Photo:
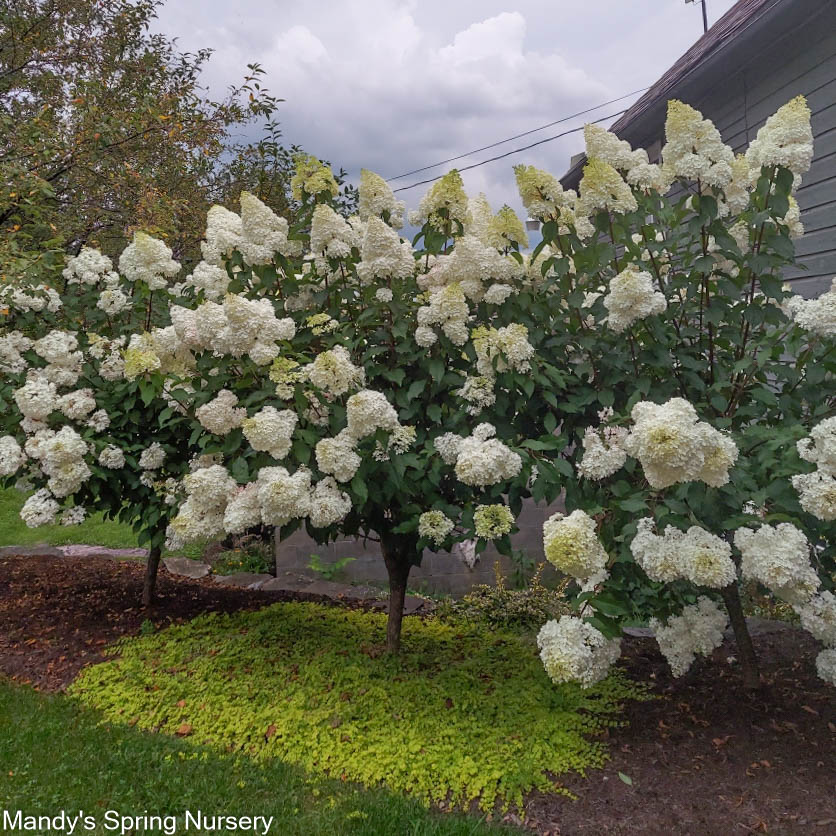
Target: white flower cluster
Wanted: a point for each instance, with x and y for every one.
(238, 326)
(376, 198)
(697, 629)
(37, 398)
(640, 172)
(443, 204)
(574, 651)
(435, 526)
(602, 187)
(209, 278)
(817, 490)
(818, 617)
(221, 415)
(34, 298)
(333, 372)
(112, 457)
(785, 139)
(572, 546)
(674, 446)
(695, 555)
(337, 457)
(632, 297)
(779, 558)
(113, 300)
(152, 457)
(77, 405)
(331, 236)
(818, 316)
(383, 254)
(270, 430)
(491, 522)
(201, 516)
(499, 349)
(603, 449)
(12, 346)
(448, 308)
(89, 267)
(39, 509)
(470, 265)
(478, 391)
(148, 260)
(694, 149)
(541, 193)
(258, 233)
(12, 458)
(64, 362)
(61, 456)
(484, 460)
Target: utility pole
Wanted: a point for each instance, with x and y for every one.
(704, 15)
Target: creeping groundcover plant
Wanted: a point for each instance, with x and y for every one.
(467, 714)
(644, 358)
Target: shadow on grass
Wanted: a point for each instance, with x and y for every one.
(55, 756)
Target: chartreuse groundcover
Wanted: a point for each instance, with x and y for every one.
(464, 713)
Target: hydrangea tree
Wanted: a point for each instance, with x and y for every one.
(326, 375)
(701, 393)
(334, 376)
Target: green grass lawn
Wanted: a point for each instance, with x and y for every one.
(95, 530)
(54, 755)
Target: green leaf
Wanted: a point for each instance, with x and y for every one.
(626, 779)
(436, 366)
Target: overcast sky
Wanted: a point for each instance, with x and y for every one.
(393, 85)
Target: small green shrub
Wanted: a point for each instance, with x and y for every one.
(240, 560)
(464, 713)
(496, 605)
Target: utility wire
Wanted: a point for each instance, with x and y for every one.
(518, 136)
(515, 151)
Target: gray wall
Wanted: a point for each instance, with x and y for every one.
(439, 573)
(797, 55)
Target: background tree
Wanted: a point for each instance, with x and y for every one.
(105, 129)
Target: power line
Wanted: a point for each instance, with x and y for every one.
(518, 136)
(515, 151)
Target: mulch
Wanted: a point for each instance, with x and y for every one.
(703, 758)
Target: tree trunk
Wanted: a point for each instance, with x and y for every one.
(748, 659)
(396, 556)
(150, 584)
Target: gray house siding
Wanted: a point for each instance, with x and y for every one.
(790, 53)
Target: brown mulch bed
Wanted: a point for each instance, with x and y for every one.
(705, 758)
(59, 614)
(708, 758)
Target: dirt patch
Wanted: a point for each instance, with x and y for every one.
(705, 758)
(59, 614)
(708, 758)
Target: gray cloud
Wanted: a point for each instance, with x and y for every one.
(394, 85)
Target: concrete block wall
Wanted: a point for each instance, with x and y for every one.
(439, 573)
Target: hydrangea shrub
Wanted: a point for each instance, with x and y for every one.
(701, 394)
(644, 358)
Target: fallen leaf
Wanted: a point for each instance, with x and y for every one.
(271, 730)
(810, 710)
(184, 731)
(626, 778)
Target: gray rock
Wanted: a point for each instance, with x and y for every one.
(101, 551)
(329, 589)
(30, 551)
(287, 582)
(639, 632)
(247, 580)
(186, 567)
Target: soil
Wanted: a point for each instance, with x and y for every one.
(703, 758)
(707, 757)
